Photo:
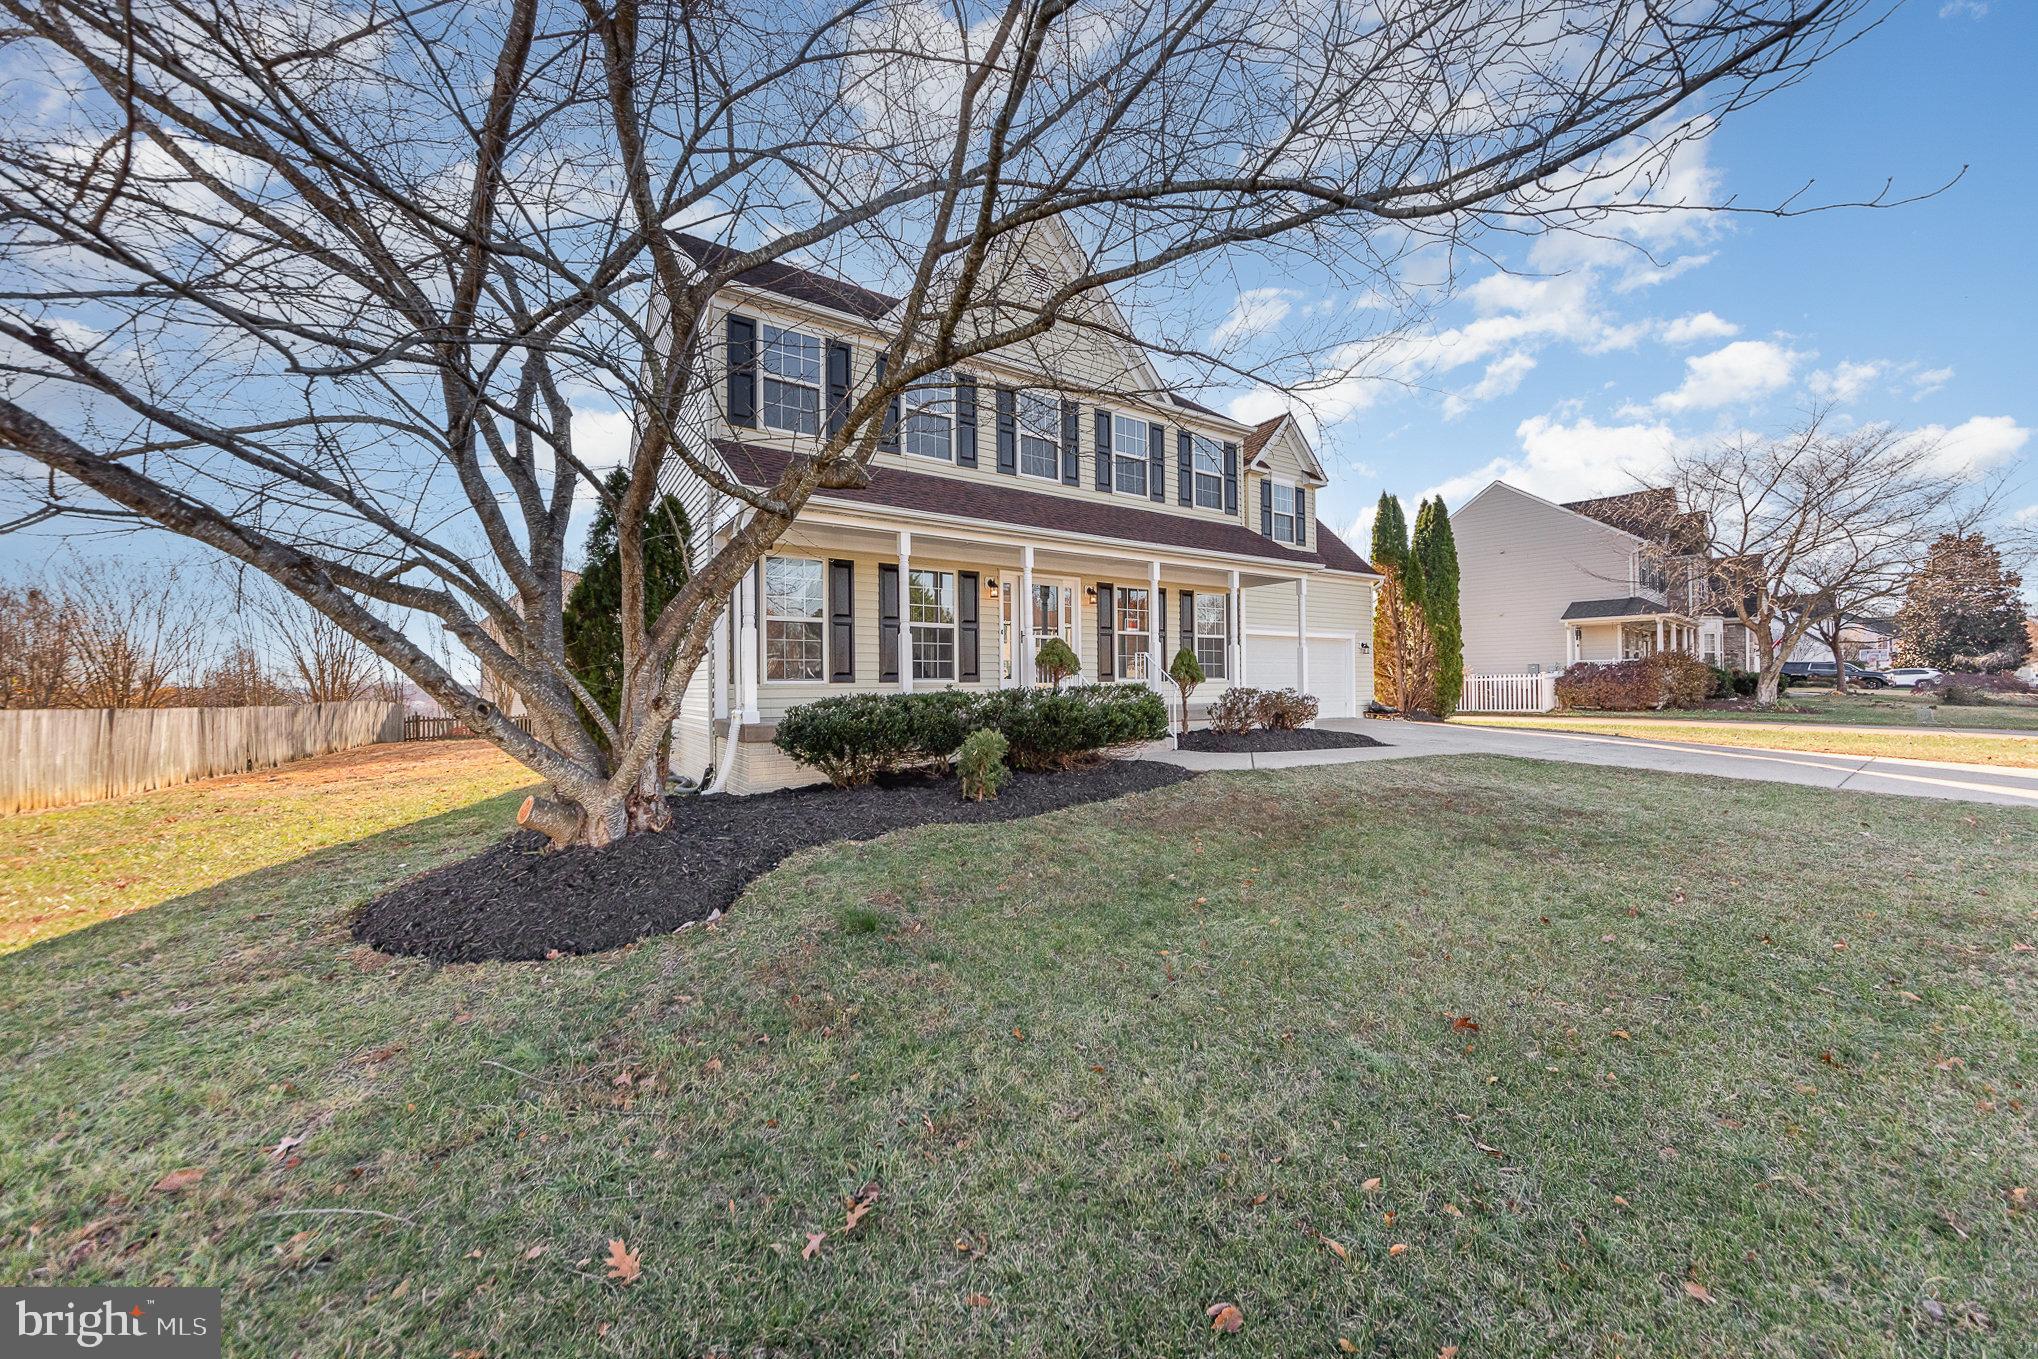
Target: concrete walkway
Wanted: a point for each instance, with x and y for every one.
(1855, 773)
(1670, 725)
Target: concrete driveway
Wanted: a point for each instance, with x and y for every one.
(1855, 773)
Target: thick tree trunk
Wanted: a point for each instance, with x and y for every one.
(1839, 665)
(1768, 685)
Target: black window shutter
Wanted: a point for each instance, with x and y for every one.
(1008, 430)
(1185, 467)
(966, 422)
(1160, 620)
(1189, 620)
(888, 432)
(1157, 464)
(887, 622)
(841, 622)
(1107, 651)
(1266, 509)
(838, 385)
(1071, 438)
(967, 584)
(742, 371)
(1231, 478)
(1302, 515)
(1103, 450)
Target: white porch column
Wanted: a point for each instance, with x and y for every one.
(718, 662)
(1659, 632)
(1302, 633)
(1022, 613)
(748, 654)
(905, 611)
(1237, 639)
(1572, 645)
(1156, 665)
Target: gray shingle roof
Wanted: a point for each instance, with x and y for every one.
(1626, 607)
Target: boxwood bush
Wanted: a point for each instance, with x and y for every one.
(854, 738)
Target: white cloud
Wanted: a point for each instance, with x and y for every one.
(1845, 383)
(602, 438)
(1929, 381)
(1976, 445)
(1736, 373)
(1699, 326)
(1964, 9)
(1503, 376)
(1256, 311)
(1561, 461)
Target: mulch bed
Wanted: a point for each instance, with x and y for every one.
(1258, 742)
(513, 902)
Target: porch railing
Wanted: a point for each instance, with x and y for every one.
(1509, 693)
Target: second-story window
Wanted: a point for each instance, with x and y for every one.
(1209, 456)
(930, 417)
(1039, 435)
(1128, 454)
(1649, 571)
(791, 363)
(1284, 512)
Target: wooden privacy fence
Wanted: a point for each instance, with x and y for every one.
(448, 728)
(1509, 693)
(53, 757)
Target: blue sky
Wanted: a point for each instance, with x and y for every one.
(1919, 315)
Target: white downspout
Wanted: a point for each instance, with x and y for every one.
(1022, 618)
(905, 611)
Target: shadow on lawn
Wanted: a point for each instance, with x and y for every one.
(304, 903)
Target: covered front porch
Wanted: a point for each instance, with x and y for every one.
(1601, 630)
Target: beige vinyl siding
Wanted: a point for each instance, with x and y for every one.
(1338, 604)
(1522, 562)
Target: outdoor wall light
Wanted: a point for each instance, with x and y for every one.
(1090, 593)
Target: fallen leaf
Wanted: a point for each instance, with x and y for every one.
(1345, 1343)
(1337, 1248)
(177, 1181)
(622, 1262)
(534, 1252)
(1017, 1034)
(1398, 1248)
(1622, 1033)
(1225, 1317)
(1697, 1290)
(1465, 1022)
(1454, 1210)
(1448, 1352)
(865, 1200)
(814, 1240)
(979, 1300)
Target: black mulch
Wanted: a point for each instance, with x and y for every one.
(1251, 742)
(513, 902)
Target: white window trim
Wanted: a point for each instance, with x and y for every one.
(765, 618)
(1020, 434)
(1197, 475)
(764, 375)
(1273, 499)
(1221, 636)
(912, 402)
(1120, 458)
(953, 626)
(1119, 632)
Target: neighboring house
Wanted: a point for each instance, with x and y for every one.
(1867, 642)
(1064, 491)
(1543, 585)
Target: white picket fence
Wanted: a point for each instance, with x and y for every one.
(1509, 693)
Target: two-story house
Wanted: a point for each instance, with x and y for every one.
(1061, 492)
(1544, 586)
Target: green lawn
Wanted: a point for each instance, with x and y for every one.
(2017, 752)
(1761, 1089)
(1860, 707)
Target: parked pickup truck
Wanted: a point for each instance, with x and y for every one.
(1821, 672)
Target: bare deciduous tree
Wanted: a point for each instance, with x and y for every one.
(320, 288)
(1819, 522)
(141, 634)
(37, 632)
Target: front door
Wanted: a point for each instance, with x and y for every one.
(1054, 615)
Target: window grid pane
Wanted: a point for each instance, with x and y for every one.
(930, 614)
(1039, 435)
(1133, 620)
(1128, 454)
(794, 645)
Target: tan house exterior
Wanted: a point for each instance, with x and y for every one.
(1065, 491)
(1545, 586)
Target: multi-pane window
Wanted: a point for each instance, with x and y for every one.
(1134, 625)
(1210, 634)
(1209, 464)
(1649, 571)
(791, 364)
(930, 620)
(930, 417)
(1128, 454)
(1039, 435)
(1284, 511)
(794, 626)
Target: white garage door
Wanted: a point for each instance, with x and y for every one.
(1270, 664)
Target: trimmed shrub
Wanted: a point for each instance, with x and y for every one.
(1741, 683)
(1960, 695)
(1187, 672)
(2001, 682)
(1055, 661)
(1044, 729)
(1617, 686)
(1687, 681)
(981, 764)
(1236, 711)
(854, 738)
(1285, 709)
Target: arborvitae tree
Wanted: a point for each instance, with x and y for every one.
(1390, 554)
(1436, 551)
(1963, 611)
(1187, 672)
(594, 610)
